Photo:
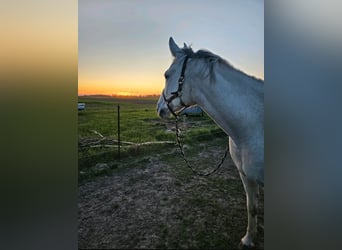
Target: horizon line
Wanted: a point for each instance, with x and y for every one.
(121, 95)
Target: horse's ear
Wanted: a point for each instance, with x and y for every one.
(174, 47)
(185, 46)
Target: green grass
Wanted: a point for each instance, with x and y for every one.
(138, 123)
(136, 117)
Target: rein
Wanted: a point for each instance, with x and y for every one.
(180, 146)
(178, 94)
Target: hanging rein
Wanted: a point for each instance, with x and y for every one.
(178, 94)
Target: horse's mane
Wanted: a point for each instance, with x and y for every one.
(211, 60)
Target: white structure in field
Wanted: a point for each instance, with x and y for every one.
(193, 110)
(81, 106)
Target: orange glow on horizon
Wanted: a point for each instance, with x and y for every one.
(122, 86)
(106, 89)
(123, 83)
(114, 93)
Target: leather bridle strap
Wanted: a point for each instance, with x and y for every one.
(177, 93)
(168, 101)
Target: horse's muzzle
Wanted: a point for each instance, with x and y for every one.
(162, 109)
(163, 113)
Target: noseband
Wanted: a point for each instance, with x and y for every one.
(177, 93)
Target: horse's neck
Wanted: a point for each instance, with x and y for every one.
(234, 102)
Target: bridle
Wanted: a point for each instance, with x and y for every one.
(178, 93)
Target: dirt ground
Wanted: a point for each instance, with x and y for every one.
(156, 202)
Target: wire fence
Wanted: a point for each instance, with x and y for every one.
(205, 129)
(134, 134)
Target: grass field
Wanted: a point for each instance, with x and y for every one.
(138, 123)
(101, 115)
(149, 198)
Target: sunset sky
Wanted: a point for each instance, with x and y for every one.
(123, 44)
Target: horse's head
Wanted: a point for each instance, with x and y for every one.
(174, 96)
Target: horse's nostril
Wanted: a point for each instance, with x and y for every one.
(161, 112)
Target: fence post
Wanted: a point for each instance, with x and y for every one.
(119, 131)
